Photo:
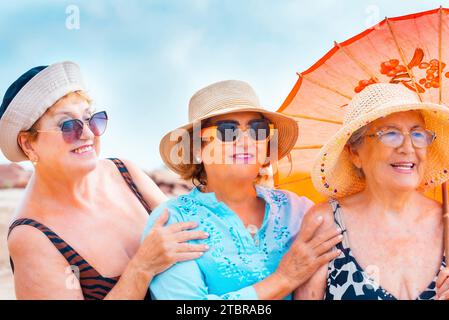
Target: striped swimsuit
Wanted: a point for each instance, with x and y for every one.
(93, 285)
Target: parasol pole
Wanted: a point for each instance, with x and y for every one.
(444, 185)
(446, 221)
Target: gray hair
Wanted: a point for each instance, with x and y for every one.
(354, 142)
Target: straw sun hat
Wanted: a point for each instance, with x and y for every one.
(27, 99)
(333, 173)
(223, 98)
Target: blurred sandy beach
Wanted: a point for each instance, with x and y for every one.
(9, 199)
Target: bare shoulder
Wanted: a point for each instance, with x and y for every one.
(24, 242)
(430, 205)
(147, 187)
(323, 209)
(40, 270)
(139, 176)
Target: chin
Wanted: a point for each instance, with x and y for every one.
(245, 172)
(406, 184)
(83, 165)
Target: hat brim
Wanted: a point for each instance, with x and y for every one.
(287, 129)
(333, 173)
(31, 102)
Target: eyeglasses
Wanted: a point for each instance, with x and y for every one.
(229, 131)
(394, 138)
(73, 129)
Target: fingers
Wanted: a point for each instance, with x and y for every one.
(325, 236)
(443, 290)
(188, 256)
(310, 226)
(190, 247)
(328, 257)
(442, 276)
(327, 245)
(181, 226)
(184, 236)
(162, 219)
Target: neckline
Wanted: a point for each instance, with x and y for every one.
(381, 288)
(365, 275)
(210, 199)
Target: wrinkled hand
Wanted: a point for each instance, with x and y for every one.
(166, 245)
(443, 284)
(309, 252)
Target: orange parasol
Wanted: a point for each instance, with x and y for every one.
(411, 49)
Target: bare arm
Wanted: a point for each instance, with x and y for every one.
(315, 287)
(41, 272)
(309, 253)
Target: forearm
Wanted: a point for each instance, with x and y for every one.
(132, 285)
(314, 288)
(274, 287)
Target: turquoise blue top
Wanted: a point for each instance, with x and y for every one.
(235, 261)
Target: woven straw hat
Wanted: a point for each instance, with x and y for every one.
(223, 98)
(333, 173)
(39, 88)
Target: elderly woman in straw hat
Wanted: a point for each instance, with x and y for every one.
(77, 232)
(229, 139)
(391, 148)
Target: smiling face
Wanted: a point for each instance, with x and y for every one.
(50, 148)
(240, 159)
(400, 168)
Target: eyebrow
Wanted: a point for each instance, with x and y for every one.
(393, 127)
(68, 113)
(235, 121)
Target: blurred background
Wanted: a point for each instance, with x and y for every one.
(143, 60)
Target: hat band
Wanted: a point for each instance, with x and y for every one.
(220, 105)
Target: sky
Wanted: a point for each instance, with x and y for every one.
(142, 60)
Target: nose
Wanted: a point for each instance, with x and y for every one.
(87, 133)
(407, 146)
(243, 138)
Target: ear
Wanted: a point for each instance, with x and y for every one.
(24, 141)
(354, 156)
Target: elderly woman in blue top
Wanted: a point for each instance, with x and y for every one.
(251, 227)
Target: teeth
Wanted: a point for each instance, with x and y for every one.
(403, 166)
(83, 149)
(243, 156)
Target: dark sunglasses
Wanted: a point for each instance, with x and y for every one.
(72, 130)
(229, 130)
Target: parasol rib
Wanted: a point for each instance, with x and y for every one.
(404, 61)
(313, 118)
(295, 181)
(308, 147)
(324, 86)
(357, 62)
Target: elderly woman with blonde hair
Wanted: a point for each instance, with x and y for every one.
(76, 234)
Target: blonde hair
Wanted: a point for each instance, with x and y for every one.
(32, 132)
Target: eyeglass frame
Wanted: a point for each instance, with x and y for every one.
(379, 133)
